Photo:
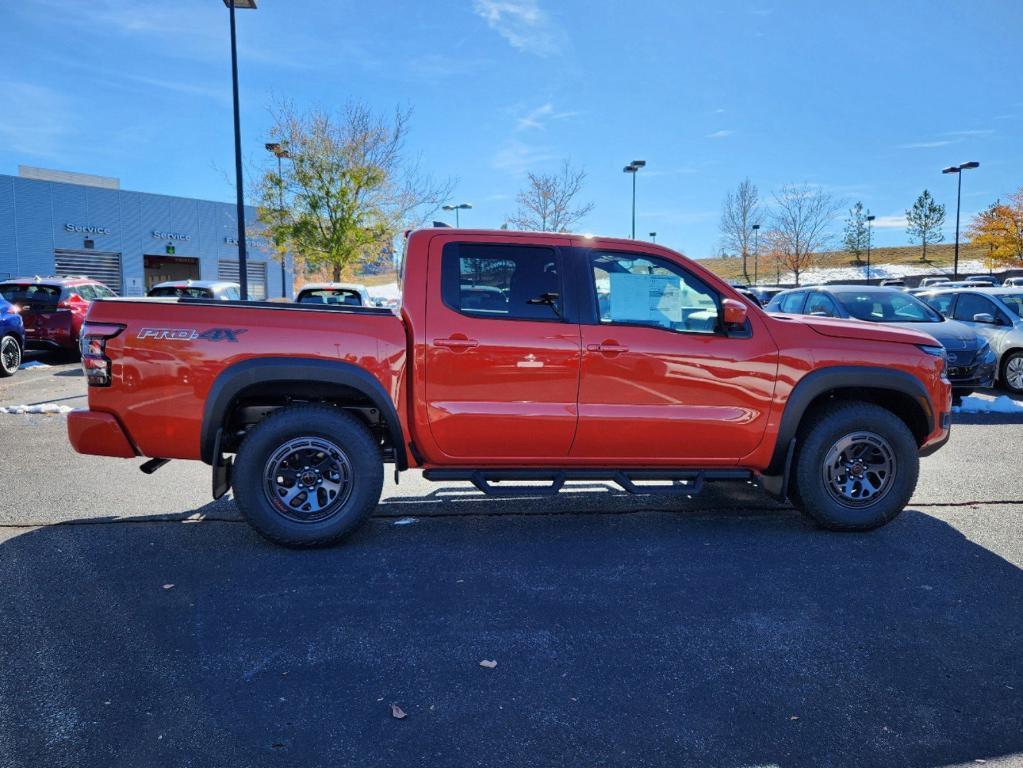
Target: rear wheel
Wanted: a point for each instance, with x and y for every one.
(308, 475)
(856, 467)
(10, 356)
(1012, 373)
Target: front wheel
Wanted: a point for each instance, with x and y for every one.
(856, 467)
(1012, 373)
(10, 356)
(308, 475)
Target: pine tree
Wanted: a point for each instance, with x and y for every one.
(855, 237)
(926, 218)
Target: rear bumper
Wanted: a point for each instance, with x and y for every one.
(100, 434)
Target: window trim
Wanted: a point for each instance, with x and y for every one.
(453, 248)
(593, 302)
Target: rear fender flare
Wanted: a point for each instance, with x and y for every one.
(233, 380)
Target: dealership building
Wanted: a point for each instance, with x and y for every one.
(61, 223)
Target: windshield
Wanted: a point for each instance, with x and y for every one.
(189, 292)
(885, 307)
(1013, 301)
(330, 296)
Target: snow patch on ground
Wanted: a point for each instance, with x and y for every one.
(406, 521)
(833, 274)
(33, 364)
(47, 408)
(982, 404)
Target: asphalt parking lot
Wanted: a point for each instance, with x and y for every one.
(142, 624)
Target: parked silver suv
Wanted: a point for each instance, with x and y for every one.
(996, 314)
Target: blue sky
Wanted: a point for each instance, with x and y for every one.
(869, 100)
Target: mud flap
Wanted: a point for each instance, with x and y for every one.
(777, 486)
(221, 469)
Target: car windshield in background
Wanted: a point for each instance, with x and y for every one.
(1013, 301)
(331, 296)
(189, 292)
(30, 292)
(885, 307)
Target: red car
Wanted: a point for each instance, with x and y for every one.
(53, 308)
(591, 359)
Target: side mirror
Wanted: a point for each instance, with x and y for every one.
(733, 313)
(984, 317)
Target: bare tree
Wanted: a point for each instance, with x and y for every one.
(740, 211)
(799, 225)
(347, 188)
(545, 205)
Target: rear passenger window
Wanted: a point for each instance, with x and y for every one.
(791, 304)
(821, 305)
(508, 282)
(85, 291)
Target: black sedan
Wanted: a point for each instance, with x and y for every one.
(971, 361)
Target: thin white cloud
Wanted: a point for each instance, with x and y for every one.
(523, 24)
(720, 134)
(517, 157)
(537, 118)
(34, 120)
(975, 132)
(927, 144)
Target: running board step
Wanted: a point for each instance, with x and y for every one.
(683, 481)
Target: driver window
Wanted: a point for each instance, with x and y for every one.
(971, 304)
(639, 290)
(820, 304)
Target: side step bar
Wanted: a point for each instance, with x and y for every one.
(683, 481)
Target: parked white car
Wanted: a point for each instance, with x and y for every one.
(996, 314)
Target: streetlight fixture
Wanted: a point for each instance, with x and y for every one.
(869, 232)
(280, 152)
(632, 168)
(653, 237)
(456, 209)
(958, 171)
(756, 254)
(243, 274)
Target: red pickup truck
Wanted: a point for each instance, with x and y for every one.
(516, 361)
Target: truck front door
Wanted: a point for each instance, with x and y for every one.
(501, 359)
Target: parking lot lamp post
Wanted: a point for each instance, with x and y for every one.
(958, 171)
(456, 209)
(869, 219)
(756, 254)
(632, 168)
(243, 277)
(653, 237)
(280, 152)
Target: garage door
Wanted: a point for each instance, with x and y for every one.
(105, 267)
(228, 270)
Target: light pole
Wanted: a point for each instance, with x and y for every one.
(869, 219)
(632, 168)
(653, 237)
(456, 209)
(280, 152)
(958, 171)
(756, 254)
(243, 275)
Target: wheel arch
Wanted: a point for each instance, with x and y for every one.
(1003, 360)
(897, 391)
(336, 382)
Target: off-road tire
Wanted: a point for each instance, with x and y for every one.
(10, 355)
(253, 481)
(881, 434)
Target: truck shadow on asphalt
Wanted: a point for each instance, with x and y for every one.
(656, 638)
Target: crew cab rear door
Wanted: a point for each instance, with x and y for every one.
(662, 382)
(502, 351)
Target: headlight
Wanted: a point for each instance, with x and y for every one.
(937, 352)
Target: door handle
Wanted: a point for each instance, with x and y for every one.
(607, 348)
(456, 343)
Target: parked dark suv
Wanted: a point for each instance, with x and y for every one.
(53, 308)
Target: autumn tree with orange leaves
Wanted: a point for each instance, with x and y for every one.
(999, 229)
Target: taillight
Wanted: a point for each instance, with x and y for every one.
(93, 343)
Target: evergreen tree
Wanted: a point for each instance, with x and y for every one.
(926, 218)
(855, 237)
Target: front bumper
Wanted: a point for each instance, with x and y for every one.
(978, 376)
(99, 434)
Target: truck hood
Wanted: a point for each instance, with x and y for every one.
(860, 329)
